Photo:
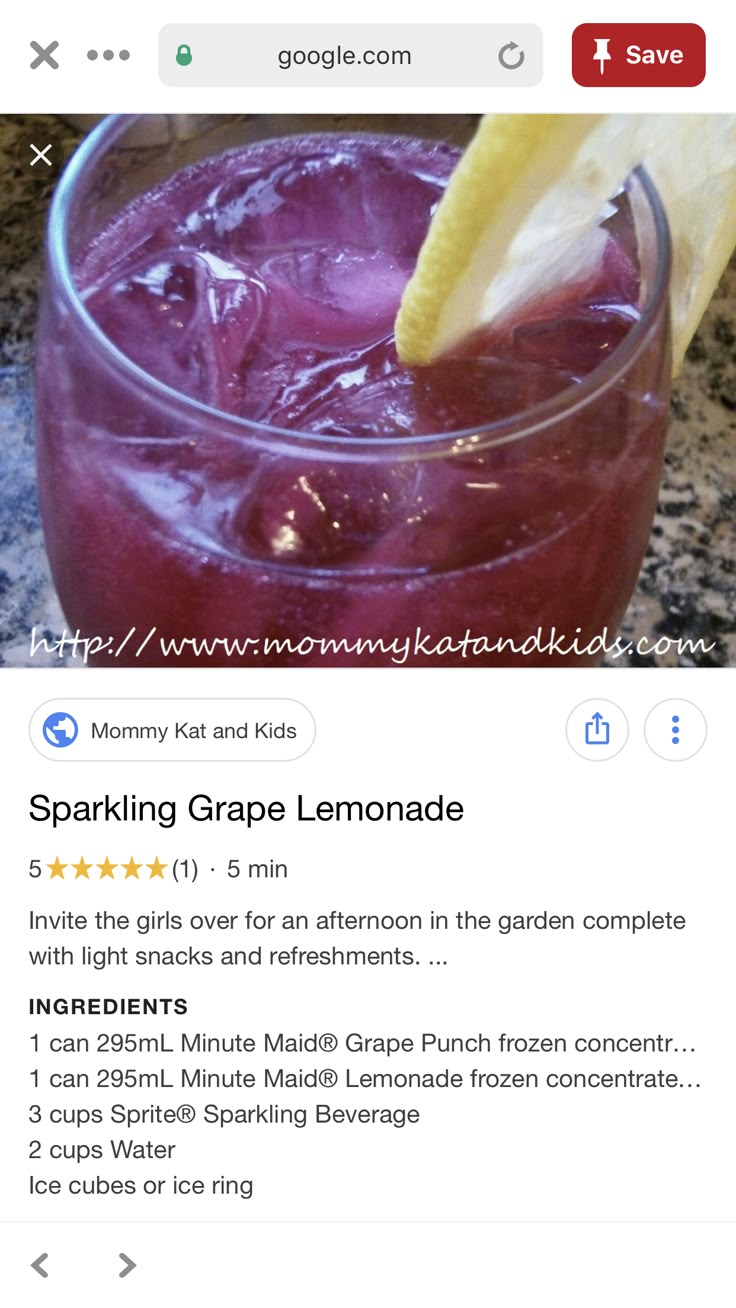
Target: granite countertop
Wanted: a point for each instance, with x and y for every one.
(687, 586)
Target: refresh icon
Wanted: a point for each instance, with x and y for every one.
(508, 59)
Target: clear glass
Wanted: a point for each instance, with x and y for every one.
(515, 531)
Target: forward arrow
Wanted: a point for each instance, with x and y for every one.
(129, 1265)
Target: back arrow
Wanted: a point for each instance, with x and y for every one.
(37, 1265)
(129, 1265)
(504, 62)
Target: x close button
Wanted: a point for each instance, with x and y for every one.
(40, 155)
(44, 54)
(638, 54)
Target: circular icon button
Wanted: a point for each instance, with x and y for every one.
(597, 730)
(40, 155)
(675, 730)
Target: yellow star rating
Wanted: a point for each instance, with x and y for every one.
(131, 869)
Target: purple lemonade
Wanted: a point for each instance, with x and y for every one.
(252, 463)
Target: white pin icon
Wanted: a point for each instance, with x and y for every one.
(601, 51)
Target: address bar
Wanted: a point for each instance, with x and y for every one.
(350, 54)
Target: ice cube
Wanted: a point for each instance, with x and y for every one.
(329, 191)
(578, 340)
(332, 297)
(187, 318)
(323, 513)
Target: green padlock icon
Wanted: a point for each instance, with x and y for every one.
(184, 55)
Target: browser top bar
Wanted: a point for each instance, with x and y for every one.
(54, 65)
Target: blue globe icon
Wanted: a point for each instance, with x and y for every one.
(60, 730)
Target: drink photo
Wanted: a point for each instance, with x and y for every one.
(339, 391)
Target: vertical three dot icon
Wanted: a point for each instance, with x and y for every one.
(675, 729)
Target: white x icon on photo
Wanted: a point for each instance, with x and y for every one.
(41, 154)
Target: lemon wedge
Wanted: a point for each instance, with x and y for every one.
(521, 211)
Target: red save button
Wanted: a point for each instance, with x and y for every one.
(638, 54)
